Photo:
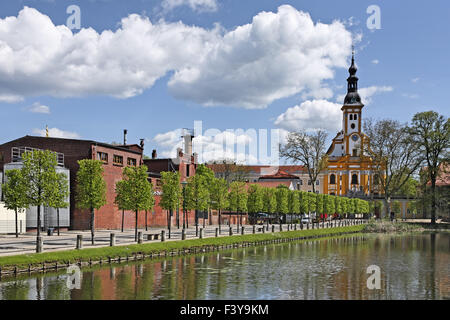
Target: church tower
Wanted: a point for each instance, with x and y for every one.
(349, 167)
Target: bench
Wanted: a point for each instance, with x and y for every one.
(153, 236)
(260, 229)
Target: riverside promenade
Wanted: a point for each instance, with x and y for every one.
(67, 240)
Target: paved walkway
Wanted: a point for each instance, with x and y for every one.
(26, 243)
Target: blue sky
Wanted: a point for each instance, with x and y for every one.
(206, 65)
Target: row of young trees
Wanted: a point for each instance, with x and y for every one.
(203, 192)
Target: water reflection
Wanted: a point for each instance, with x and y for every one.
(412, 267)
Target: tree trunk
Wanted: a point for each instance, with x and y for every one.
(136, 226)
(169, 223)
(92, 225)
(220, 214)
(57, 219)
(38, 221)
(433, 200)
(146, 220)
(123, 218)
(17, 226)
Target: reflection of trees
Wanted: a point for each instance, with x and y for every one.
(56, 288)
(15, 290)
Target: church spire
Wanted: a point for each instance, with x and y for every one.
(352, 97)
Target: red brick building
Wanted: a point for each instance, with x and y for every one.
(114, 157)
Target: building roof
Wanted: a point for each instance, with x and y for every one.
(280, 174)
(128, 148)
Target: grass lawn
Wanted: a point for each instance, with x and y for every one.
(155, 247)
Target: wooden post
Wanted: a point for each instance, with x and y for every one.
(201, 233)
(217, 232)
(79, 241)
(242, 230)
(140, 237)
(163, 235)
(231, 231)
(112, 239)
(254, 229)
(183, 234)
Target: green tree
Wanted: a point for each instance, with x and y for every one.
(60, 196)
(196, 196)
(40, 177)
(304, 202)
(270, 200)
(396, 207)
(90, 189)
(237, 197)
(319, 204)
(134, 192)
(219, 197)
(430, 133)
(339, 205)
(209, 177)
(294, 203)
(171, 194)
(255, 202)
(15, 193)
(312, 202)
(282, 195)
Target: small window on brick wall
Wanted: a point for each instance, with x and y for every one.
(102, 156)
(118, 160)
(131, 162)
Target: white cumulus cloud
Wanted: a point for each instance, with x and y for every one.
(39, 108)
(57, 133)
(39, 58)
(277, 55)
(311, 115)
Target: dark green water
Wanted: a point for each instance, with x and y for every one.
(413, 266)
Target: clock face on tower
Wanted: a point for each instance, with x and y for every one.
(355, 137)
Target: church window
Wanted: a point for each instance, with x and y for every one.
(354, 179)
(352, 126)
(332, 179)
(351, 117)
(355, 117)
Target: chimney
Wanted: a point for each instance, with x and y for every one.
(142, 143)
(125, 137)
(188, 136)
(154, 154)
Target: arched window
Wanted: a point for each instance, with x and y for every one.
(351, 117)
(332, 179)
(354, 179)
(355, 117)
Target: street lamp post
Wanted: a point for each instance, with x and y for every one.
(184, 183)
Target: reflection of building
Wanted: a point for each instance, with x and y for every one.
(349, 169)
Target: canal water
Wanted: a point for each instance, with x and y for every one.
(412, 266)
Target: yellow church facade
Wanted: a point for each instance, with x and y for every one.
(350, 170)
